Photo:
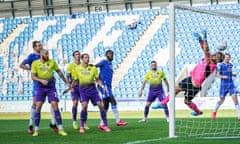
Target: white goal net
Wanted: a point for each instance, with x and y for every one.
(219, 22)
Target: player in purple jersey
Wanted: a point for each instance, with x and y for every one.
(43, 72)
(224, 72)
(26, 65)
(106, 74)
(155, 78)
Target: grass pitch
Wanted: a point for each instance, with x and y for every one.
(13, 130)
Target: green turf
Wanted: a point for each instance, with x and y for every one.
(13, 130)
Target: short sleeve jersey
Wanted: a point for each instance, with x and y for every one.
(44, 70)
(31, 58)
(225, 69)
(85, 75)
(106, 71)
(155, 79)
(71, 68)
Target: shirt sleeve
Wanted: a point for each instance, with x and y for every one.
(95, 72)
(146, 77)
(163, 76)
(100, 64)
(28, 60)
(69, 69)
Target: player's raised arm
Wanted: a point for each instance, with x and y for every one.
(206, 52)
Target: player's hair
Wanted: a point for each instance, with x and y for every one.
(42, 51)
(222, 56)
(108, 51)
(153, 61)
(34, 43)
(84, 55)
(75, 52)
(227, 54)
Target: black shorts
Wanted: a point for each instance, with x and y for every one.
(108, 100)
(187, 86)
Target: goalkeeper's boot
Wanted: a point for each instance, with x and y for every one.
(197, 36)
(214, 114)
(30, 129)
(54, 127)
(196, 114)
(158, 106)
(62, 133)
(36, 133)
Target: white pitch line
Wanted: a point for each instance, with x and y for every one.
(149, 140)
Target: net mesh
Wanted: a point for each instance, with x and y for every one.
(220, 23)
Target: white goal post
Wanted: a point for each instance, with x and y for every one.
(172, 8)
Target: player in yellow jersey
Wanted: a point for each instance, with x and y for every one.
(42, 72)
(87, 75)
(75, 95)
(155, 77)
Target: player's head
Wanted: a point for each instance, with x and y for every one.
(217, 57)
(227, 57)
(37, 46)
(109, 55)
(76, 55)
(44, 54)
(154, 65)
(85, 58)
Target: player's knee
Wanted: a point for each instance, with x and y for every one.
(187, 102)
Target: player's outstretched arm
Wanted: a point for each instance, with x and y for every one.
(206, 51)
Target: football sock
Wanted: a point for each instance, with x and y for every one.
(53, 120)
(74, 113)
(58, 117)
(83, 118)
(237, 108)
(146, 111)
(32, 113)
(104, 117)
(115, 112)
(37, 118)
(194, 107)
(218, 104)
